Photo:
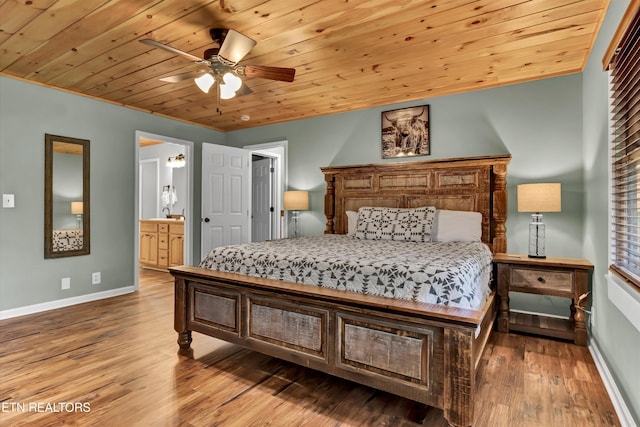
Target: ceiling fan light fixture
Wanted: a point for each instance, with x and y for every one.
(226, 91)
(205, 82)
(231, 80)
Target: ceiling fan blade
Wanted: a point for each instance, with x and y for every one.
(271, 73)
(182, 77)
(235, 46)
(168, 48)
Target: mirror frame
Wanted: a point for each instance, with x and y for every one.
(48, 197)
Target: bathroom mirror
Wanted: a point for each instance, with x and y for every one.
(66, 197)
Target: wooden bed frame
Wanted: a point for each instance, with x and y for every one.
(424, 352)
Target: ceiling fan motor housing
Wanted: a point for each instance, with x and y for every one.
(218, 35)
(211, 53)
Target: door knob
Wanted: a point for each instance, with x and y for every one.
(207, 220)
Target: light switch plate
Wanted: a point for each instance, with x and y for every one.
(8, 201)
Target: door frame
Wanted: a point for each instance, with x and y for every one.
(188, 214)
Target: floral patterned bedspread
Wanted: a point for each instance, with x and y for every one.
(455, 274)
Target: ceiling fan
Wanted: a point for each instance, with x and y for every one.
(220, 64)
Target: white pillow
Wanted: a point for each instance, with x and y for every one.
(400, 224)
(352, 222)
(457, 226)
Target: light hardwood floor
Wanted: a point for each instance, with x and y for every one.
(118, 358)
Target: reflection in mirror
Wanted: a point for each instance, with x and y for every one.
(66, 197)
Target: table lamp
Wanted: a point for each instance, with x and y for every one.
(77, 209)
(296, 201)
(536, 198)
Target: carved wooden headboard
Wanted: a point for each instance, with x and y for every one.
(465, 184)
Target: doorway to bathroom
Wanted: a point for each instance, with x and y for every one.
(164, 208)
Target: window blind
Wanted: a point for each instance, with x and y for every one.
(625, 154)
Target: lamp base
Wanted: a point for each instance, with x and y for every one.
(536, 237)
(295, 224)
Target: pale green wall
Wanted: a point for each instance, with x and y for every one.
(617, 339)
(27, 112)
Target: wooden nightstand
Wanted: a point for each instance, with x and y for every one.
(562, 277)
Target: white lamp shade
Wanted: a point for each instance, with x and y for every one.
(232, 80)
(205, 82)
(542, 197)
(296, 200)
(77, 208)
(226, 92)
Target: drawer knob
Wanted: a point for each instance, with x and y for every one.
(540, 279)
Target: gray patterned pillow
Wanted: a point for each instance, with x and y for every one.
(410, 225)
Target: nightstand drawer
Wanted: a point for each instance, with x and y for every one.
(558, 281)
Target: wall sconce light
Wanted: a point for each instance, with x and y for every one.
(296, 201)
(77, 209)
(176, 162)
(536, 198)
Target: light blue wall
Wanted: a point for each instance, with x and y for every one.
(617, 339)
(29, 111)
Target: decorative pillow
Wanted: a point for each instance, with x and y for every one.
(352, 222)
(410, 225)
(457, 226)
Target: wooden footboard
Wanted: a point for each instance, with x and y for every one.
(424, 352)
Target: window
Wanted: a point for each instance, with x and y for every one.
(623, 59)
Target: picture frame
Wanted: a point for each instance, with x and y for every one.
(406, 132)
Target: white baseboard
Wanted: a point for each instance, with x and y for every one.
(626, 420)
(52, 305)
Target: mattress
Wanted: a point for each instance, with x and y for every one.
(455, 274)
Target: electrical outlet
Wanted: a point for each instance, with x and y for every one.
(95, 278)
(8, 201)
(66, 283)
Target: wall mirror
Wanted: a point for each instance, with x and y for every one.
(66, 197)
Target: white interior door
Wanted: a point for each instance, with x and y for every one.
(226, 196)
(262, 207)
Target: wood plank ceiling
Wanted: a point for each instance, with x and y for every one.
(348, 54)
